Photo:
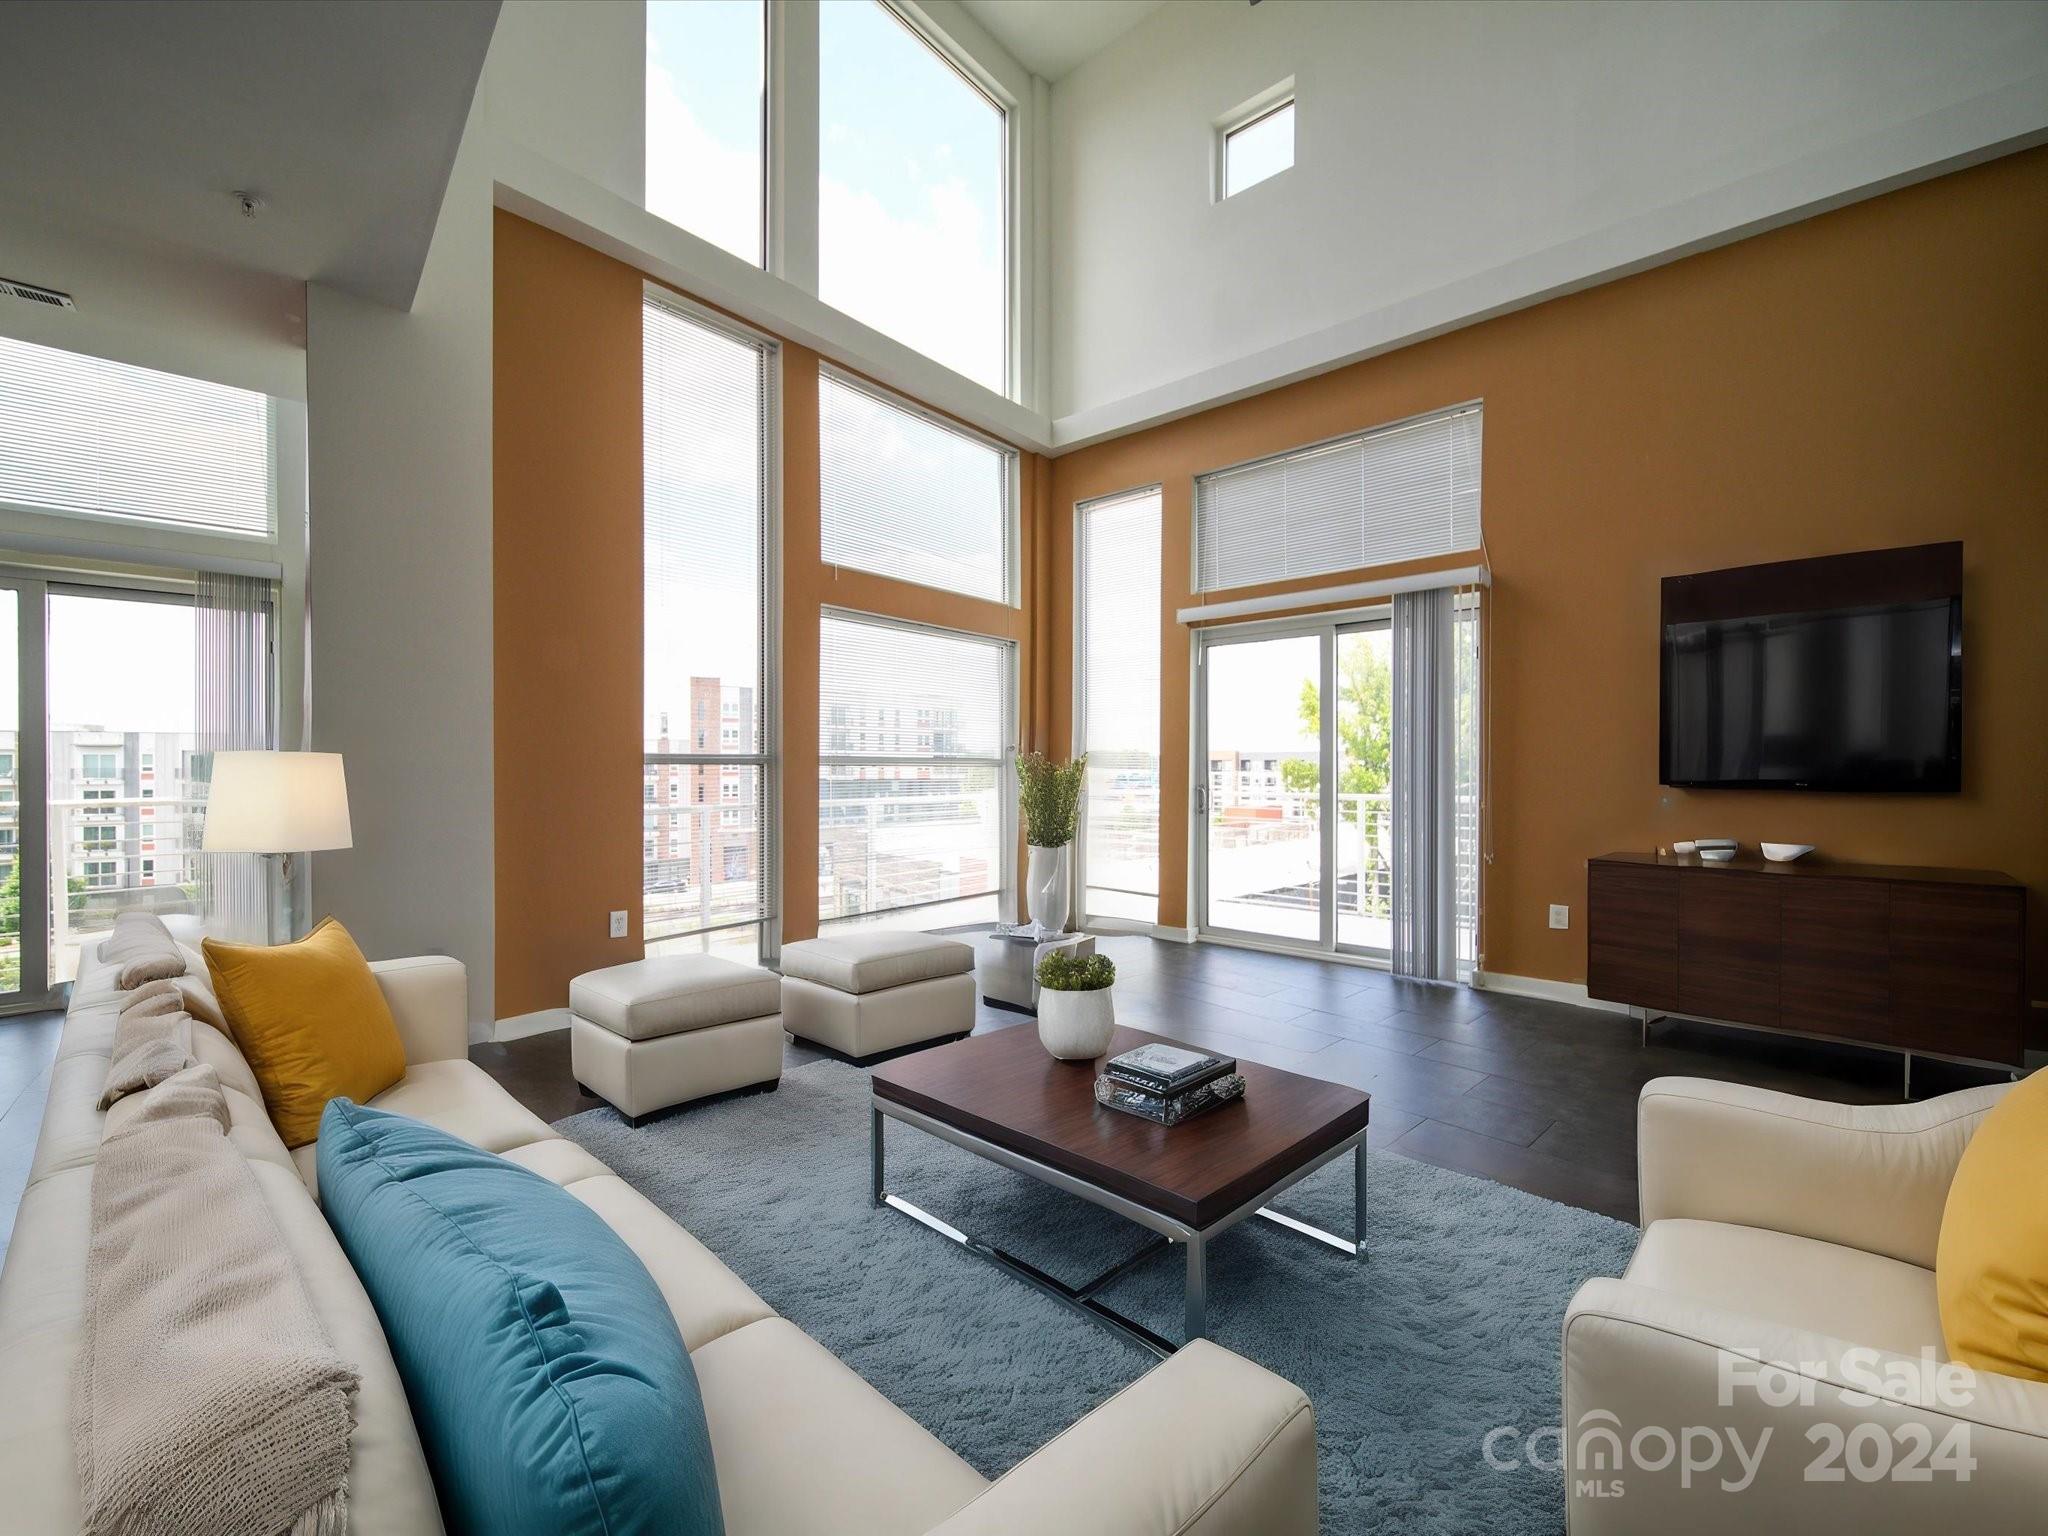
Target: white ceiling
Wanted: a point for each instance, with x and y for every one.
(140, 120)
(1050, 37)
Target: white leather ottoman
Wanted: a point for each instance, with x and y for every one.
(877, 990)
(659, 1032)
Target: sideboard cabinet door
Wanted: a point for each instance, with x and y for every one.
(1728, 931)
(1835, 971)
(1632, 935)
(1956, 968)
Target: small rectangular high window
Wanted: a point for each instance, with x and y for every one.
(1259, 147)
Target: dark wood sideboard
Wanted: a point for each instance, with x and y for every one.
(1926, 961)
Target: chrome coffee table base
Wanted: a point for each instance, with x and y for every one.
(1084, 1298)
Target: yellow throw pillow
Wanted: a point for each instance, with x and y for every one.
(1991, 1263)
(312, 1021)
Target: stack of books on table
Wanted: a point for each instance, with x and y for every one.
(1167, 1083)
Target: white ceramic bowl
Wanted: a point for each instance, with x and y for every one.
(1717, 855)
(1784, 853)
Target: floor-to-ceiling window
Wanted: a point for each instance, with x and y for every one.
(1117, 709)
(915, 728)
(709, 407)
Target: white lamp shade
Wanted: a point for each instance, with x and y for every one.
(276, 802)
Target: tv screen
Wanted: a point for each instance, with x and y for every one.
(1843, 673)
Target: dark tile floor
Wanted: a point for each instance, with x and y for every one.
(1538, 1095)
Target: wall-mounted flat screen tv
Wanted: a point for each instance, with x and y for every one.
(1842, 673)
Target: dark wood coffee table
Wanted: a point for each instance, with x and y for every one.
(1002, 1097)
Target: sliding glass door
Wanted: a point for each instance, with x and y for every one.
(24, 979)
(1263, 839)
(1295, 732)
(123, 735)
(1364, 883)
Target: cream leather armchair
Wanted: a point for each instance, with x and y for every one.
(1773, 1358)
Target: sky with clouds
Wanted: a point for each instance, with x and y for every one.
(910, 159)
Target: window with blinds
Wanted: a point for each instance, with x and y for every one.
(1118, 711)
(1401, 492)
(904, 494)
(708, 411)
(914, 728)
(87, 436)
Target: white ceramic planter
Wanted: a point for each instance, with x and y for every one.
(1076, 1026)
(1046, 886)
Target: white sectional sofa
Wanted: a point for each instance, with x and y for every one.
(1206, 1443)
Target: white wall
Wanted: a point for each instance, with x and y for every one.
(399, 451)
(1453, 159)
(155, 307)
(566, 79)
(398, 410)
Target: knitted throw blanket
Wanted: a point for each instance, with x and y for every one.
(207, 1396)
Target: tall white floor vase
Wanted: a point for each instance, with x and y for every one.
(1046, 887)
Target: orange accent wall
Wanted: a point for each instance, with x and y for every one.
(1875, 376)
(568, 645)
(565, 554)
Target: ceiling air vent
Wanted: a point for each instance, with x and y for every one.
(10, 289)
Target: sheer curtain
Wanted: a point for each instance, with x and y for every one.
(1435, 789)
(232, 697)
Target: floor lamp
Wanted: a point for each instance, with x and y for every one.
(278, 804)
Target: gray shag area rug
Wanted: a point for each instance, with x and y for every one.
(1450, 1328)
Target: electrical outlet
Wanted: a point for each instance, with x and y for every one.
(619, 925)
(1560, 916)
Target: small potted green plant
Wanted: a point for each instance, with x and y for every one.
(1049, 798)
(1075, 1014)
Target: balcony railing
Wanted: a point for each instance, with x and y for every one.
(885, 852)
(701, 868)
(110, 855)
(1265, 867)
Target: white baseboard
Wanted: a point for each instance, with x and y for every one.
(1541, 986)
(527, 1024)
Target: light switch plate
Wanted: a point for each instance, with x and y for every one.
(1560, 916)
(619, 925)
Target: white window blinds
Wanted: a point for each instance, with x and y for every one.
(1119, 678)
(902, 691)
(904, 494)
(83, 435)
(1403, 492)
